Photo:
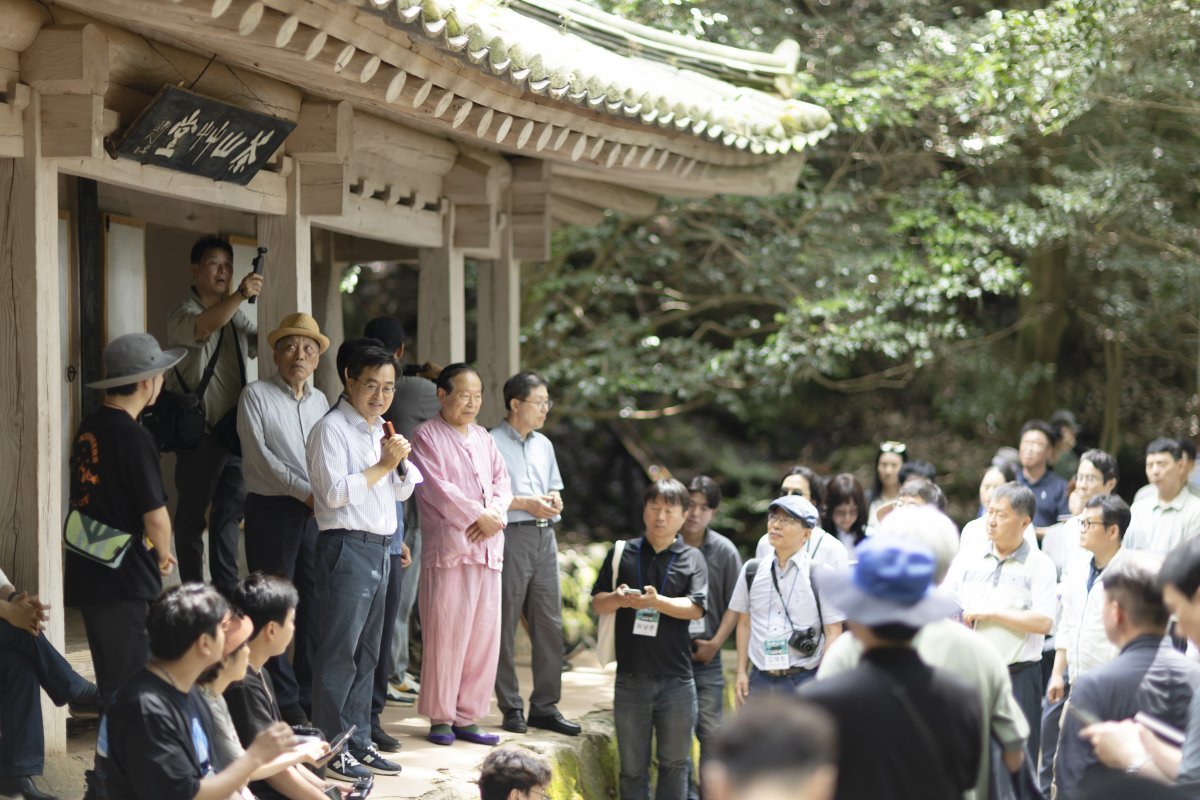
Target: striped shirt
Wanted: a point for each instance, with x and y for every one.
(341, 447)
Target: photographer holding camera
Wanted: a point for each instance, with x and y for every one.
(783, 629)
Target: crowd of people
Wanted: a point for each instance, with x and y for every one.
(878, 652)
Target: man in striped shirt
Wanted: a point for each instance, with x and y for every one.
(357, 473)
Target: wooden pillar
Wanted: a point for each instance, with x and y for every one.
(441, 320)
(31, 394)
(499, 321)
(287, 287)
(327, 309)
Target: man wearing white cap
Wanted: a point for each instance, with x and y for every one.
(116, 482)
(906, 731)
(275, 416)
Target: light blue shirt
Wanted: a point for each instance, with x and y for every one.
(340, 448)
(273, 427)
(532, 466)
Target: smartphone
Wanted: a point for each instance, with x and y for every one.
(1084, 716)
(388, 429)
(628, 591)
(338, 743)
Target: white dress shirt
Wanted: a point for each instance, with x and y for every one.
(1081, 630)
(341, 447)
(821, 548)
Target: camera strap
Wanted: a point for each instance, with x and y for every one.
(816, 597)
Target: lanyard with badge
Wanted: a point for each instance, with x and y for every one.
(645, 622)
(776, 647)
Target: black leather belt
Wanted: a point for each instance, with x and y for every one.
(530, 523)
(362, 536)
(1021, 666)
(785, 673)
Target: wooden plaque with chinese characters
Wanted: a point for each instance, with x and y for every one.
(187, 132)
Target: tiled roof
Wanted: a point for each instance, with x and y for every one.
(659, 79)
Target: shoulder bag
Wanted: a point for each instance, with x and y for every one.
(606, 625)
(94, 540)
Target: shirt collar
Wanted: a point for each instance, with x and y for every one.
(512, 433)
(278, 380)
(676, 546)
(1147, 641)
(1177, 501)
(351, 414)
(1020, 554)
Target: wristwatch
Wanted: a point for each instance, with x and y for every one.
(1136, 767)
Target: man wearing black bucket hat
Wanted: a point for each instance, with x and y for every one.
(906, 731)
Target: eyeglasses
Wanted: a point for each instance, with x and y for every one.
(545, 405)
(1086, 524)
(1087, 480)
(387, 390)
(893, 447)
(538, 794)
(781, 518)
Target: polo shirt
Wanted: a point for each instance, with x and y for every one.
(1159, 527)
(1025, 580)
(1050, 492)
(532, 466)
(226, 383)
(1081, 628)
(822, 550)
(1148, 675)
(765, 604)
(884, 752)
(724, 565)
(675, 571)
(974, 536)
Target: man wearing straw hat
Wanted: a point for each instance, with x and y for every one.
(116, 481)
(275, 416)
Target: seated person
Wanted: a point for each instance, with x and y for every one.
(232, 667)
(270, 603)
(27, 661)
(155, 739)
(513, 774)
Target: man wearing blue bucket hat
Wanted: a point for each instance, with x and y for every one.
(906, 731)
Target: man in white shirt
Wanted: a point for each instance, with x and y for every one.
(782, 630)
(357, 473)
(1008, 594)
(1163, 521)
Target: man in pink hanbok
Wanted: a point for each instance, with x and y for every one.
(464, 503)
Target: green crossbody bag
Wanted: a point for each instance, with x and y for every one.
(96, 541)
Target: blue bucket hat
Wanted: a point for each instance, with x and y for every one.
(892, 583)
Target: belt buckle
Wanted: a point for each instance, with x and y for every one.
(541, 523)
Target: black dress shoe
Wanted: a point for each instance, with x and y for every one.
(22, 787)
(383, 740)
(514, 721)
(556, 722)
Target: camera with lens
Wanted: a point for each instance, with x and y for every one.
(804, 642)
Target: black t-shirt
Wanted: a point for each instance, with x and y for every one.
(252, 707)
(115, 479)
(155, 740)
(676, 571)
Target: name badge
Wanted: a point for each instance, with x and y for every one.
(777, 653)
(696, 627)
(646, 622)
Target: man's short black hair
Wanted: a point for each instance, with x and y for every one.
(1165, 445)
(926, 490)
(388, 330)
(1135, 583)
(668, 490)
(1019, 496)
(1103, 462)
(1113, 511)
(1187, 446)
(346, 351)
(706, 486)
(124, 390)
(445, 378)
(207, 243)
(1181, 568)
(775, 737)
(511, 768)
(180, 616)
(265, 598)
(1041, 426)
(520, 385)
(917, 469)
(371, 357)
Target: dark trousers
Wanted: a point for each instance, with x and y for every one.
(118, 640)
(1051, 721)
(209, 476)
(27, 663)
(710, 704)
(662, 711)
(281, 539)
(530, 588)
(1027, 689)
(762, 682)
(391, 606)
(352, 573)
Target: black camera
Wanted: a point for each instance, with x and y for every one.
(804, 642)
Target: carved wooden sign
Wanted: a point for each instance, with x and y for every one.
(188, 132)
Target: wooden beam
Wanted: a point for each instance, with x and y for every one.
(12, 121)
(31, 400)
(324, 132)
(441, 322)
(498, 337)
(530, 209)
(356, 250)
(265, 194)
(67, 59)
(327, 310)
(606, 195)
(176, 212)
(574, 212)
(75, 125)
(19, 23)
(416, 151)
(374, 219)
(287, 281)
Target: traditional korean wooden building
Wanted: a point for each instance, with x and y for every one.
(422, 132)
